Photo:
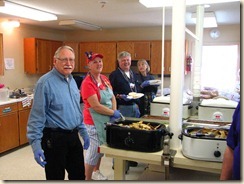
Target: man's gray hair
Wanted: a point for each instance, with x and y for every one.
(56, 55)
(123, 54)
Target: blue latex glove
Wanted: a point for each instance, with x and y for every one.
(145, 83)
(40, 158)
(124, 97)
(138, 114)
(112, 119)
(116, 114)
(86, 140)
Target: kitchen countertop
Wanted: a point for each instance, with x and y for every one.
(14, 100)
(120, 156)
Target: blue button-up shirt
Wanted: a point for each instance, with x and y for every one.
(56, 104)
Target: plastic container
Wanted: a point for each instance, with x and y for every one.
(4, 94)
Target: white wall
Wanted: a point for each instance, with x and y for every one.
(13, 48)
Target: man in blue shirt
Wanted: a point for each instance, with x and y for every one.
(231, 161)
(55, 120)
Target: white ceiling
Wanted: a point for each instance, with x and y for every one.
(118, 13)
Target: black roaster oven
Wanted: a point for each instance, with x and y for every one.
(120, 135)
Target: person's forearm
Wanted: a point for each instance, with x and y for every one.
(101, 109)
(226, 173)
(114, 103)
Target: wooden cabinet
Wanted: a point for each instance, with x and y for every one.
(126, 46)
(86, 47)
(75, 46)
(1, 55)
(156, 57)
(23, 120)
(137, 49)
(107, 49)
(38, 55)
(167, 57)
(13, 125)
(142, 50)
(9, 129)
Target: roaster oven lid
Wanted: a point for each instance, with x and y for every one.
(166, 99)
(219, 102)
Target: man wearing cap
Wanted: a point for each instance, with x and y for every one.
(99, 107)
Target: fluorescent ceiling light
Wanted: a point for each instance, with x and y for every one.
(208, 21)
(26, 12)
(169, 3)
(11, 23)
(79, 24)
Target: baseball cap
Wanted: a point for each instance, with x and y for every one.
(91, 56)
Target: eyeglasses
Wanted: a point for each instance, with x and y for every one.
(65, 60)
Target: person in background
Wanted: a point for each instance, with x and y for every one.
(142, 78)
(231, 160)
(55, 120)
(99, 107)
(123, 81)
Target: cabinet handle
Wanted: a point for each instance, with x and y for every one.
(169, 68)
(135, 55)
(7, 109)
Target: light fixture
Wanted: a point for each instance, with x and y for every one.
(11, 23)
(208, 21)
(26, 12)
(169, 3)
(79, 24)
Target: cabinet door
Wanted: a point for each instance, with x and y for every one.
(156, 57)
(108, 50)
(167, 57)
(9, 132)
(54, 46)
(30, 66)
(75, 46)
(126, 46)
(38, 55)
(142, 50)
(138, 50)
(1, 55)
(44, 53)
(23, 120)
(86, 47)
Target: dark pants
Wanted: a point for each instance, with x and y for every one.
(63, 151)
(145, 103)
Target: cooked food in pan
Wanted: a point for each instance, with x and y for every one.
(209, 132)
(140, 125)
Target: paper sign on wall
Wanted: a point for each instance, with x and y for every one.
(9, 63)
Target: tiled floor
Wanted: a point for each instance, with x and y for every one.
(20, 165)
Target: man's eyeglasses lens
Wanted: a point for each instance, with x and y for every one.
(65, 60)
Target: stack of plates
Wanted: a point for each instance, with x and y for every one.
(134, 95)
(154, 82)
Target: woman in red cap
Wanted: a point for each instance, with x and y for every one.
(99, 107)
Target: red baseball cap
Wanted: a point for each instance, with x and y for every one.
(92, 56)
